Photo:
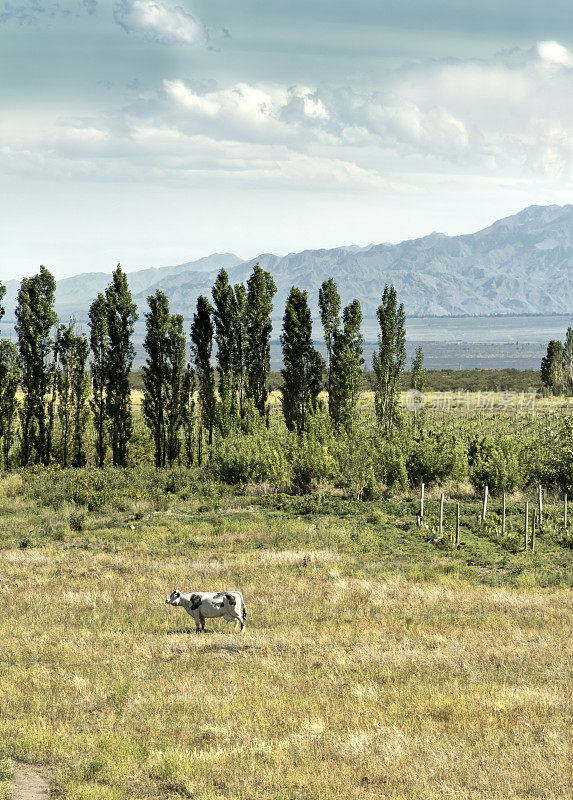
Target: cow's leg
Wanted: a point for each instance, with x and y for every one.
(237, 617)
(202, 618)
(198, 618)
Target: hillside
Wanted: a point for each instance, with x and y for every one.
(522, 264)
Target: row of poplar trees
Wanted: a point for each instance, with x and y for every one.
(182, 400)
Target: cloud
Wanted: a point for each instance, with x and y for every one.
(159, 22)
(555, 53)
(506, 118)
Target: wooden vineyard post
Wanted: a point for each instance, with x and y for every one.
(422, 500)
(484, 506)
(565, 512)
(526, 522)
(441, 514)
(458, 525)
(534, 522)
(540, 506)
(503, 515)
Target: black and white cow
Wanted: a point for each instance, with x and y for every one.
(207, 605)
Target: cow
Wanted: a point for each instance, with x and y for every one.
(207, 605)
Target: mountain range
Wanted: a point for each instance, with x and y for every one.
(522, 264)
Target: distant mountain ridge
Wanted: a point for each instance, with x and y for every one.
(522, 264)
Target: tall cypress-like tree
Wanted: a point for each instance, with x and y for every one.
(240, 348)
(329, 304)
(552, 376)
(201, 350)
(163, 378)
(418, 373)
(346, 367)
(156, 372)
(71, 350)
(303, 364)
(388, 361)
(9, 379)
(177, 390)
(189, 414)
(35, 318)
(224, 318)
(121, 314)
(261, 289)
(79, 398)
(568, 361)
(99, 346)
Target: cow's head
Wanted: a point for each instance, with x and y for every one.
(175, 599)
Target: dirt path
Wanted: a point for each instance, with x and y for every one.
(30, 783)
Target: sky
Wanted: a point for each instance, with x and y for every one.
(150, 133)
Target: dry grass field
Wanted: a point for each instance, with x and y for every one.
(372, 666)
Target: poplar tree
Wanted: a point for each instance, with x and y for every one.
(163, 377)
(189, 414)
(9, 379)
(79, 398)
(99, 346)
(224, 318)
(240, 348)
(418, 374)
(552, 375)
(303, 364)
(121, 314)
(156, 377)
(568, 361)
(177, 389)
(329, 304)
(261, 289)
(346, 367)
(388, 360)
(71, 350)
(201, 350)
(35, 318)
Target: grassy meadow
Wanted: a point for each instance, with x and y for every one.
(375, 663)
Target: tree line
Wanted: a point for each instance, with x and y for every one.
(67, 378)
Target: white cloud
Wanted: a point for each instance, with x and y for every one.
(159, 22)
(507, 118)
(554, 53)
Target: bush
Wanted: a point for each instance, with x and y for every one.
(497, 464)
(435, 456)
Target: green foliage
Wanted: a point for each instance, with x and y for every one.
(435, 456)
(164, 399)
(550, 458)
(329, 304)
(99, 346)
(552, 376)
(303, 365)
(9, 378)
(201, 349)
(496, 463)
(121, 314)
(388, 360)
(346, 368)
(35, 317)
(259, 456)
(71, 352)
(258, 307)
(418, 373)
